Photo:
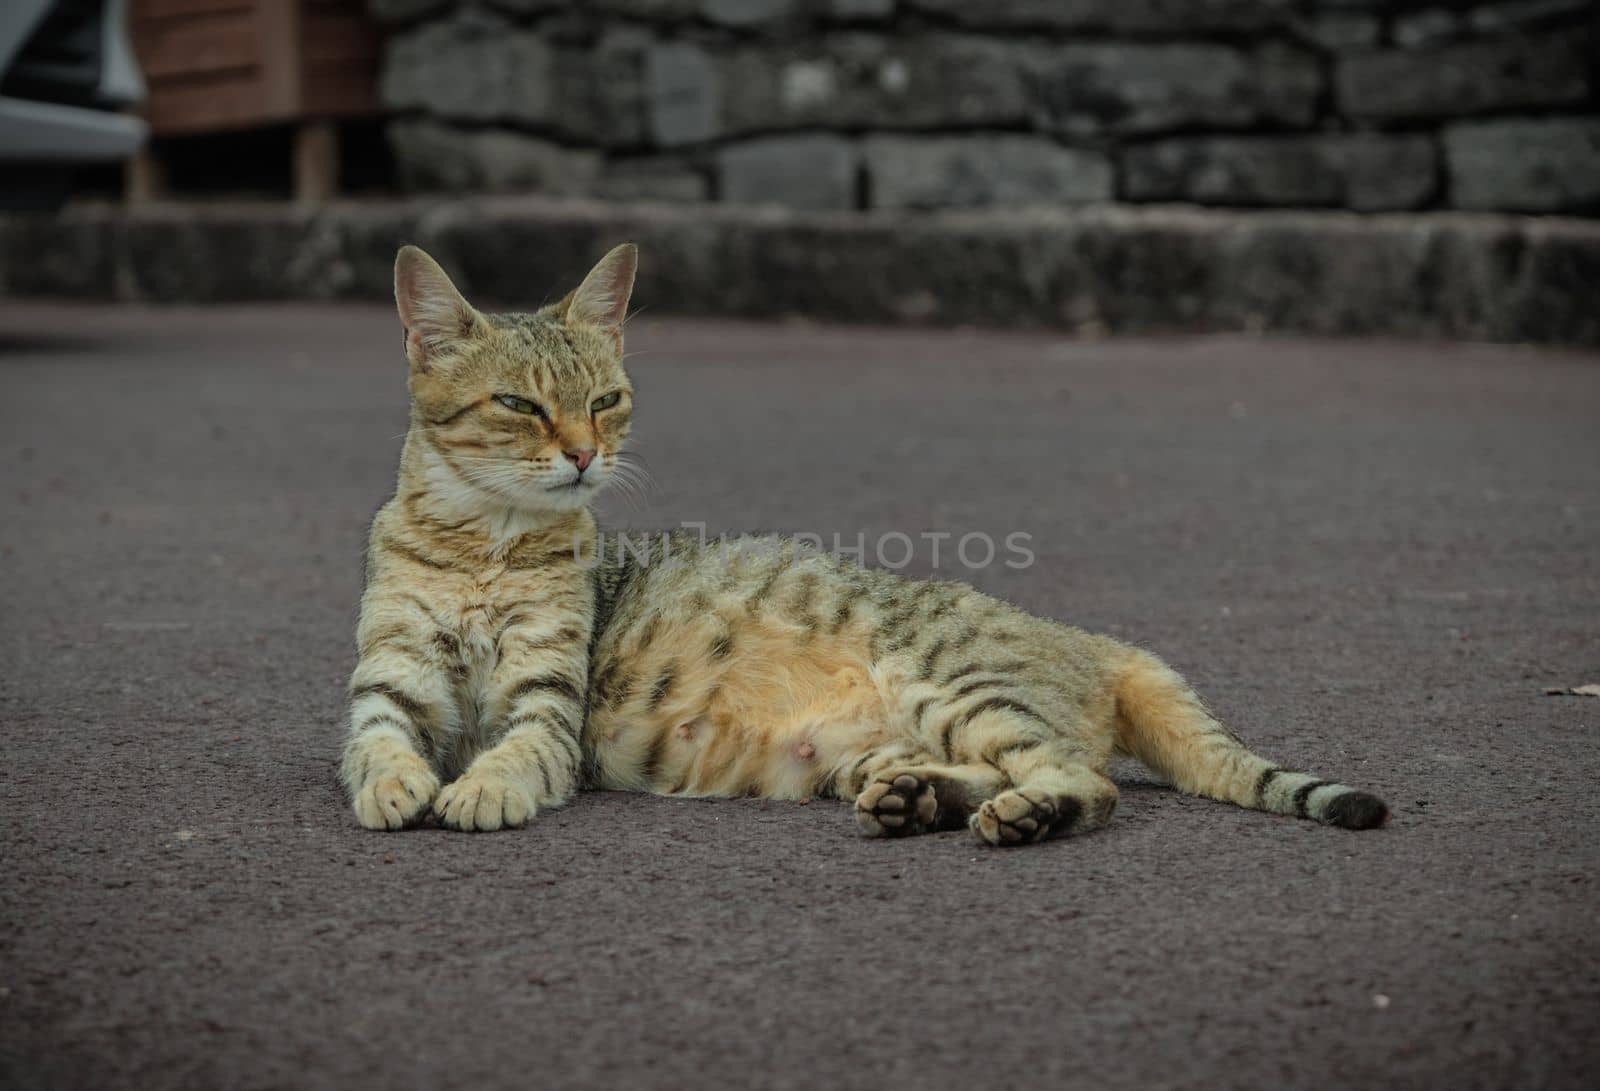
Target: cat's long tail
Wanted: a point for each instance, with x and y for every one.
(1164, 724)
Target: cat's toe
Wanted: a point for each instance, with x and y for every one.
(482, 802)
(896, 805)
(1012, 818)
(396, 798)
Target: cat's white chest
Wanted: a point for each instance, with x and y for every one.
(475, 632)
(475, 625)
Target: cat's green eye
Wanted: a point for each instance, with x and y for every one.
(521, 405)
(605, 402)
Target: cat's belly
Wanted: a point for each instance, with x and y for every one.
(732, 707)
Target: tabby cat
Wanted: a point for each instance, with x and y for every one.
(509, 657)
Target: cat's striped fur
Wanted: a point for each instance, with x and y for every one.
(509, 657)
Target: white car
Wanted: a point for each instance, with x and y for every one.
(67, 78)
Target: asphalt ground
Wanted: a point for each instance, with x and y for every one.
(1372, 558)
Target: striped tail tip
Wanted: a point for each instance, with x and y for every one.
(1304, 796)
(1355, 810)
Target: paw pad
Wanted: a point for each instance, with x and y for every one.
(1012, 818)
(896, 806)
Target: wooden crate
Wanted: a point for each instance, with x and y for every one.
(219, 65)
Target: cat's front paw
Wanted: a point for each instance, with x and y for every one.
(395, 796)
(483, 801)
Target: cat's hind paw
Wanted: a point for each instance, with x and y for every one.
(1012, 818)
(896, 805)
(483, 801)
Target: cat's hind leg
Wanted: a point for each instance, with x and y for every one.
(1019, 799)
(1047, 755)
(993, 764)
(1050, 796)
(902, 788)
(908, 798)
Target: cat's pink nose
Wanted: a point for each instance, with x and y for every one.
(580, 458)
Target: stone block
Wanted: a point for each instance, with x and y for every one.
(523, 7)
(807, 172)
(860, 9)
(1139, 88)
(480, 70)
(651, 180)
(356, 248)
(858, 80)
(1525, 165)
(1367, 172)
(1432, 25)
(434, 157)
(470, 70)
(602, 93)
(403, 11)
(1554, 295)
(662, 10)
(966, 171)
(940, 80)
(1517, 14)
(1340, 30)
(174, 255)
(1104, 269)
(1471, 77)
(683, 94)
(1163, 16)
(69, 253)
(1426, 27)
(744, 13)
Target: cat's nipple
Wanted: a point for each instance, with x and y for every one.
(804, 750)
(684, 731)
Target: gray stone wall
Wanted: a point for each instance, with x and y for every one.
(843, 104)
(1090, 272)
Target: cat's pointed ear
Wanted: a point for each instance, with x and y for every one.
(602, 299)
(436, 316)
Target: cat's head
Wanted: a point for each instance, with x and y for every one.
(521, 411)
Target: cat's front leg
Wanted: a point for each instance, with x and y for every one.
(536, 700)
(396, 704)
